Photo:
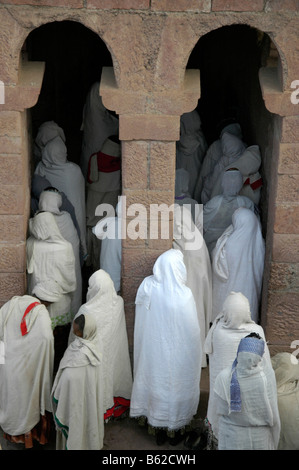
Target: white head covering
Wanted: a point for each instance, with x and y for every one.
(232, 182)
(107, 308)
(248, 409)
(238, 261)
(46, 132)
(50, 201)
(231, 325)
(167, 346)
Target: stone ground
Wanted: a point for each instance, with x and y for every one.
(125, 434)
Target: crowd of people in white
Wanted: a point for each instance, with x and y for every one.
(200, 308)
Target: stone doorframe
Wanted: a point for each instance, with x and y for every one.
(150, 88)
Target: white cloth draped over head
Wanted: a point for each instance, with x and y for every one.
(238, 261)
(232, 147)
(67, 177)
(182, 196)
(51, 264)
(97, 125)
(51, 201)
(26, 375)
(248, 164)
(218, 211)
(251, 381)
(167, 346)
(77, 393)
(212, 156)
(286, 368)
(107, 307)
(191, 147)
(231, 325)
(198, 266)
(108, 230)
(46, 132)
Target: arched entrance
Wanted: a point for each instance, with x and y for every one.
(230, 59)
(74, 56)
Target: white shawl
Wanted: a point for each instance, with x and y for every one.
(67, 177)
(97, 125)
(26, 375)
(51, 262)
(51, 202)
(199, 271)
(218, 211)
(238, 262)
(222, 341)
(257, 425)
(46, 132)
(232, 148)
(77, 393)
(212, 156)
(191, 148)
(286, 368)
(167, 347)
(108, 310)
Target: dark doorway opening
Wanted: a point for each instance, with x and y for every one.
(74, 57)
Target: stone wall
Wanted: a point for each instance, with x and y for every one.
(149, 88)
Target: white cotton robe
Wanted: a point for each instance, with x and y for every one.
(222, 341)
(107, 307)
(67, 177)
(26, 375)
(199, 270)
(167, 347)
(191, 148)
(238, 262)
(212, 156)
(97, 125)
(50, 201)
(286, 368)
(218, 211)
(77, 393)
(51, 263)
(257, 425)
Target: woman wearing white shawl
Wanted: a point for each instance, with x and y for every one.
(238, 262)
(231, 325)
(246, 401)
(46, 132)
(27, 369)
(232, 147)
(167, 347)
(50, 201)
(77, 393)
(103, 188)
(98, 123)
(108, 230)
(218, 211)
(212, 156)
(182, 196)
(191, 148)
(51, 265)
(286, 368)
(108, 309)
(67, 177)
(198, 265)
(248, 163)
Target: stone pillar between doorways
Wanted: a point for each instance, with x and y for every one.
(149, 126)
